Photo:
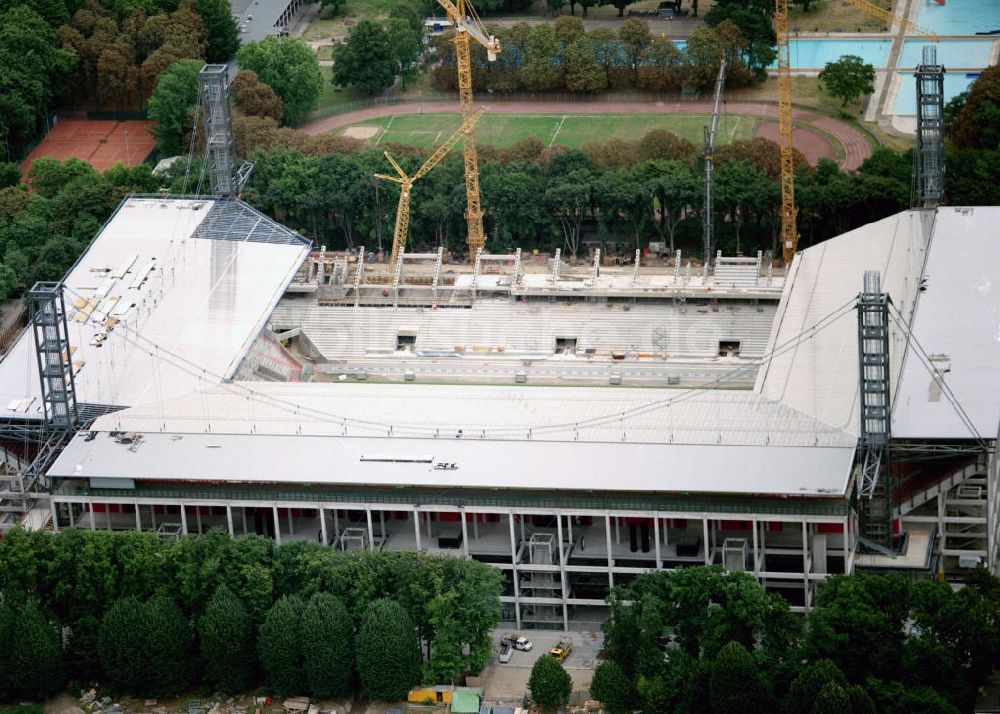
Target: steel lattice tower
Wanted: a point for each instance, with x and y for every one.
(220, 148)
(47, 311)
(930, 130)
(875, 484)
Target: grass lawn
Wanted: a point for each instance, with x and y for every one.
(570, 130)
(325, 28)
(332, 95)
(806, 92)
(832, 15)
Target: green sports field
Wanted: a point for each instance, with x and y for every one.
(569, 130)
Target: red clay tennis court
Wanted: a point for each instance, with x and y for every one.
(101, 142)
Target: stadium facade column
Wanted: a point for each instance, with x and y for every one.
(562, 571)
(607, 537)
(513, 563)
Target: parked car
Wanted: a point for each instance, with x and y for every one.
(517, 641)
(506, 652)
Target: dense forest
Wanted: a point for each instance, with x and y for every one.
(96, 54)
(154, 618)
(700, 640)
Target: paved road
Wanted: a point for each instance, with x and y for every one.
(855, 144)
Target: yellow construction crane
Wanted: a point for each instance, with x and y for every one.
(467, 24)
(789, 234)
(406, 184)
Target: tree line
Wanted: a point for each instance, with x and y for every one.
(564, 57)
(706, 641)
(622, 193)
(154, 618)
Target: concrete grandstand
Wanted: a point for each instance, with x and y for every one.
(574, 426)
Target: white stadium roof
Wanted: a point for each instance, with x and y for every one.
(350, 461)
(216, 284)
(957, 329)
(197, 278)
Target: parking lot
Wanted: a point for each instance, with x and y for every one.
(508, 682)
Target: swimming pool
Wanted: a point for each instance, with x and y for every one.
(959, 17)
(814, 54)
(950, 53)
(906, 99)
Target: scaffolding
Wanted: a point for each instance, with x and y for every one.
(930, 130)
(541, 585)
(220, 147)
(54, 353)
(875, 484)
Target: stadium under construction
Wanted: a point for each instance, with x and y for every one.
(202, 368)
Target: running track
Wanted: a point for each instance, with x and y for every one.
(856, 146)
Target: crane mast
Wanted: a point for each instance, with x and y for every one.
(789, 232)
(406, 182)
(710, 132)
(459, 12)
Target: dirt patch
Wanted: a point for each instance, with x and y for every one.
(361, 132)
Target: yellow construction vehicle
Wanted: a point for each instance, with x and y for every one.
(562, 649)
(789, 233)
(467, 24)
(406, 184)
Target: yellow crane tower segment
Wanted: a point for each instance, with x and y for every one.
(467, 25)
(406, 182)
(789, 233)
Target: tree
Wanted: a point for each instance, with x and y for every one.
(223, 34)
(10, 174)
(280, 646)
(606, 50)
(806, 687)
(31, 66)
(170, 105)
(290, 68)
(255, 98)
(145, 648)
(34, 655)
(550, 684)
(7, 622)
(582, 72)
(975, 122)
(735, 685)
(327, 647)
(540, 72)
(388, 653)
(635, 38)
(226, 638)
(611, 686)
(831, 699)
(404, 48)
(848, 78)
(703, 55)
(569, 29)
(365, 60)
